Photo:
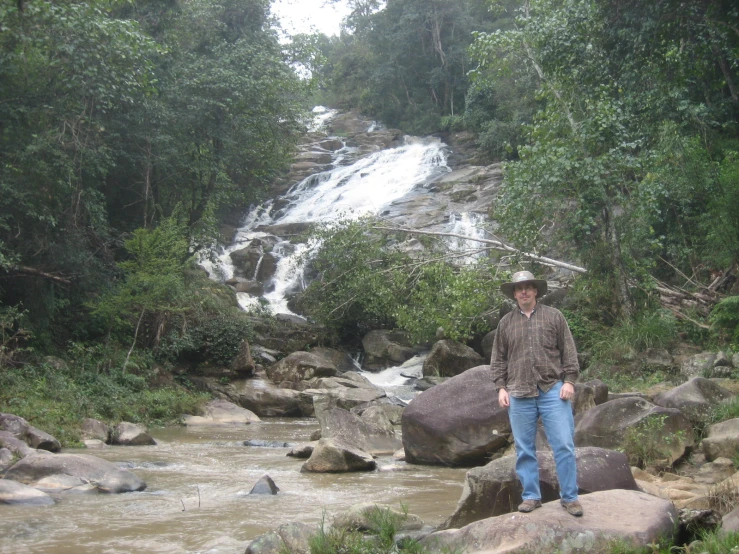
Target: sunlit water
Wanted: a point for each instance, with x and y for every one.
(197, 497)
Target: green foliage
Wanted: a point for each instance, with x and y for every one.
(630, 337)
(724, 319)
(56, 399)
(647, 445)
(728, 409)
(711, 542)
(366, 281)
(13, 334)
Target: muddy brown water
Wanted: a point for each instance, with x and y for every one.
(197, 497)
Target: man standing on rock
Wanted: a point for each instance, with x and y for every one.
(534, 365)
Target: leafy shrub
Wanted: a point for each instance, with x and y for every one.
(624, 341)
(647, 445)
(725, 319)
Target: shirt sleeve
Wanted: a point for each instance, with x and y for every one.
(499, 358)
(570, 365)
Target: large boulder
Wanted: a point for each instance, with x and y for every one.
(334, 456)
(95, 429)
(631, 516)
(341, 393)
(290, 537)
(16, 446)
(695, 399)
(13, 492)
(363, 517)
(721, 440)
(243, 363)
(33, 437)
(697, 365)
(299, 366)
(384, 348)
(449, 358)
(369, 436)
(458, 422)
(341, 360)
(222, 412)
(494, 489)
(131, 434)
(105, 476)
(606, 425)
(261, 397)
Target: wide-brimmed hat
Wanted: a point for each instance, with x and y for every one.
(524, 277)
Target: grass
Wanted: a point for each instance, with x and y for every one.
(57, 400)
(726, 410)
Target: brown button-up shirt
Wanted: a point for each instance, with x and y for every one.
(531, 352)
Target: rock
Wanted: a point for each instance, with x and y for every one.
(426, 383)
(290, 537)
(494, 489)
(629, 515)
(393, 412)
(105, 476)
(363, 517)
(95, 429)
(222, 412)
(61, 483)
(243, 364)
(345, 398)
(458, 422)
(722, 360)
(254, 288)
(13, 492)
(303, 451)
(384, 348)
(263, 398)
(584, 398)
(698, 365)
(729, 523)
(721, 440)
(299, 366)
(657, 359)
(487, 345)
(337, 423)
(341, 360)
(449, 358)
(94, 444)
(14, 445)
(600, 391)
(735, 359)
(265, 485)
(131, 434)
(606, 425)
(267, 444)
(6, 459)
(33, 437)
(332, 456)
(695, 398)
(377, 418)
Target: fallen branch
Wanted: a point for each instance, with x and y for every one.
(494, 245)
(33, 272)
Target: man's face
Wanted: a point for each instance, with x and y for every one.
(525, 295)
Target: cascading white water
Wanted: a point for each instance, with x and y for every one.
(467, 224)
(348, 190)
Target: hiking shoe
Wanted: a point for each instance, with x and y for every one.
(573, 508)
(529, 506)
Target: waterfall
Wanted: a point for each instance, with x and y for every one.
(350, 188)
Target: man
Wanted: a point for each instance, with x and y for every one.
(534, 366)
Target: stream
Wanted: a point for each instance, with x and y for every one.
(197, 497)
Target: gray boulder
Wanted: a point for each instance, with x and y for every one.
(393, 412)
(15, 446)
(222, 412)
(297, 367)
(341, 397)
(695, 399)
(458, 422)
(33, 437)
(262, 397)
(265, 485)
(721, 440)
(243, 364)
(6, 459)
(600, 390)
(131, 434)
(105, 476)
(384, 348)
(376, 437)
(95, 429)
(698, 365)
(290, 537)
(302, 451)
(13, 492)
(360, 517)
(449, 358)
(632, 516)
(606, 425)
(333, 456)
(341, 360)
(494, 489)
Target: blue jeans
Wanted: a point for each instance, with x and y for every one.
(559, 426)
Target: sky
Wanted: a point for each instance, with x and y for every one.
(305, 16)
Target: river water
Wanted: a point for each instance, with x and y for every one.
(197, 496)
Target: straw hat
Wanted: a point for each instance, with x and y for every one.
(524, 277)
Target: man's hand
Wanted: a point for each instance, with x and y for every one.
(567, 392)
(503, 398)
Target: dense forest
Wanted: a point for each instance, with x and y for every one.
(130, 130)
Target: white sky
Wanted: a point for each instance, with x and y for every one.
(305, 16)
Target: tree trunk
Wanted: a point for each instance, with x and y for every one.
(625, 301)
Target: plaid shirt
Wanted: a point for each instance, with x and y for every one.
(533, 352)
